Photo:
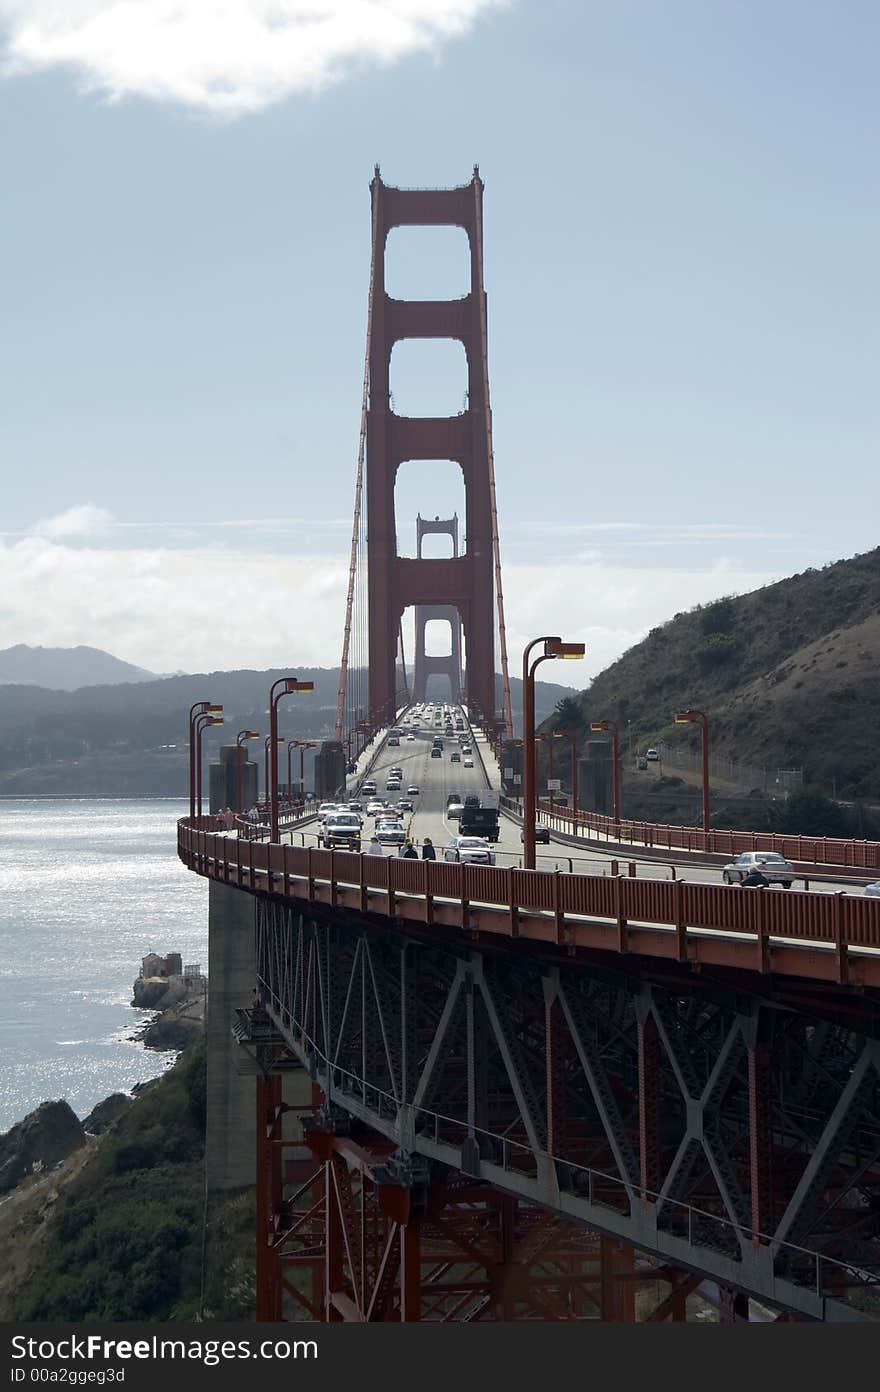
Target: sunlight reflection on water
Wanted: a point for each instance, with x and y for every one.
(89, 887)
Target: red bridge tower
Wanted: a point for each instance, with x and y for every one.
(468, 583)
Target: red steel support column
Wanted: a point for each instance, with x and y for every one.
(410, 1272)
(333, 1245)
(554, 1033)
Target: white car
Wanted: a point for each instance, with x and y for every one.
(652, 756)
(468, 761)
(454, 810)
(470, 850)
(413, 790)
(410, 737)
(375, 806)
(771, 864)
(873, 890)
(390, 833)
(326, 808)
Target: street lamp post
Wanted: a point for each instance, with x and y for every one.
(284, 686)
(202, 722)
(302, 746)
(553, 648)
(693, 717)
(267, 777)
(239, 740)
(611, 727)
(571, 736)
(199, 708)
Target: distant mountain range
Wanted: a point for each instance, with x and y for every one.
(93, 725)
(66, 669)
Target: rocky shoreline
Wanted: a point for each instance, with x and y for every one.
(52, 1131)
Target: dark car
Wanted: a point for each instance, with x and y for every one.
(542, 834)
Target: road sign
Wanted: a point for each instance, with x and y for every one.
(554, 785)
(508, 772)
(517, 778)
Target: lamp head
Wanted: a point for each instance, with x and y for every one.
(686, 717)
(555, 647)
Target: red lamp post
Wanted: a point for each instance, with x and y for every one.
(267, 777)
(553, 648)
(284, 686)
(302, 746)
(611, 726)
(239, 740)
(571, 736)
(200, 708)
(693, 717)
(201, 723)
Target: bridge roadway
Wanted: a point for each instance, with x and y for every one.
(437, 778)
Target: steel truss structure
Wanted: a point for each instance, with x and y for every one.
(720, 1133)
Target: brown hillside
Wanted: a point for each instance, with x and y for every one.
(787, 676)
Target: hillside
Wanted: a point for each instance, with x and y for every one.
(129, 740)
(66, 669)
(787, 676)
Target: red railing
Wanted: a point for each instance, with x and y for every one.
(560, 907)
(807, 850)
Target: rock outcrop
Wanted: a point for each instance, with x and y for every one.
(44, 1138)
(106, 1112)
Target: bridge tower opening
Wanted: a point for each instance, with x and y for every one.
(427, 664)
(466, 586)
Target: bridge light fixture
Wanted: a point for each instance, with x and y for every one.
(698, 717)
(283, 686)
(196, 709)
(553, 647)
(610, 726)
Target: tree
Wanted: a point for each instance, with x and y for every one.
(568, 714)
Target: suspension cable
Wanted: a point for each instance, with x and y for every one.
(358, 493)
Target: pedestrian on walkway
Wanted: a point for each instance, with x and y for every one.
(375, 846)
(409, 852)
(428, 852)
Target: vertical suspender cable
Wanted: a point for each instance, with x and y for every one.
(490, 456)
(358, 497)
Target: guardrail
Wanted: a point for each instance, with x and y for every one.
(808, 850)
(790, 932)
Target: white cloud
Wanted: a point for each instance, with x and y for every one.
(85, 519)
(200, 609)
(224, 56)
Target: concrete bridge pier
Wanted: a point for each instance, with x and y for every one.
(231, 1126)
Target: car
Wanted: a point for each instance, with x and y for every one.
(468, 762)
(375, 806)
(772, 865)
(405, 804)
(392, 740)
(412, 790)
(455, 757)
(390, 834)
(470, 850)
(326, 808)
(873, 890)
(392, 785)
(454, 797)
(454, 810)
(395, 771)
(368, 787)
(354, 806)
(472, 800)
(652, 756)
(466, 748)
(542, 834)
(436, 753)
(341, 829)
(410, 736)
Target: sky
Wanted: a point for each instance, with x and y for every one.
(680, 226)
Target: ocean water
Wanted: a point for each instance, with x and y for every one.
(87, 888)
